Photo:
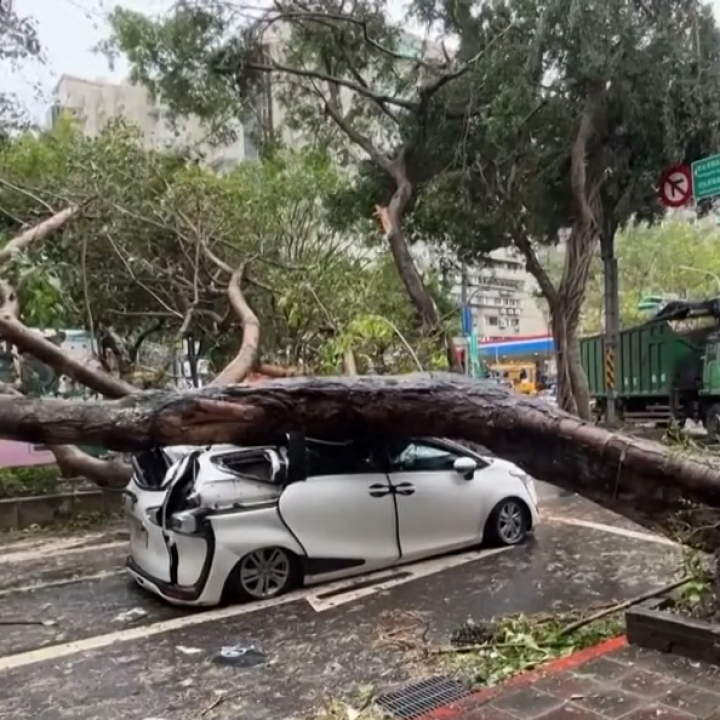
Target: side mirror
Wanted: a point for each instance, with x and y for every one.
(466, 467)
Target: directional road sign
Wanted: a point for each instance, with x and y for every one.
(676, 186)
(706, 177)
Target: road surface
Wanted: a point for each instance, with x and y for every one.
(109, 650)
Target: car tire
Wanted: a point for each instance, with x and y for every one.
(262, 574)
(509, 522)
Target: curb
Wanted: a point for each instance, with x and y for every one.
(460, 708)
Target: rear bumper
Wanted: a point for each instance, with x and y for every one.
(191, 596)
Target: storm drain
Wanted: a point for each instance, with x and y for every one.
(424, 696)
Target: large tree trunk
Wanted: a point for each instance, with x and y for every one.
(639, 479)
(392, 222)
(573, 391)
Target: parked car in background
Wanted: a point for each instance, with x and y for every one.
(226, 523)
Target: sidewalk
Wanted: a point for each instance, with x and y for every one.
(609, 682)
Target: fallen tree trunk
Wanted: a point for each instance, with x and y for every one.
(642, 480)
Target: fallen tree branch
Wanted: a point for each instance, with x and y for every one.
(41, 231)
(33, 343)
(582, 622)
(639, 479)
(239, 367)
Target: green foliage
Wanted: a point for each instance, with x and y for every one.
(676, 258)
(517, 643)
(134, 258)
(500, 170)
(29, 481)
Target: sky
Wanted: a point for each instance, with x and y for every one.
(68, 30)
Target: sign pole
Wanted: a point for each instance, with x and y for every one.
(612, 321)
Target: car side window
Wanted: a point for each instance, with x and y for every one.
(341, 459)
(422, 457)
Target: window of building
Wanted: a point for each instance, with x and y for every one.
(491, 319)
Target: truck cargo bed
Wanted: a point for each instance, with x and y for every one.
(652, 360)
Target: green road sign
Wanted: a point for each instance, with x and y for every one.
(706, 177)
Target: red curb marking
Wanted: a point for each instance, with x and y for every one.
(459, 708)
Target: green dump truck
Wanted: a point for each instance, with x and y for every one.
(666, 370)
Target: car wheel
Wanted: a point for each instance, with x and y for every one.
(263, 574)
(509, 522)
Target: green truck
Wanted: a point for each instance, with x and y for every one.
(666, 370)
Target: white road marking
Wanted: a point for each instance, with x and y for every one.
(612, 529)
(60, 583)
(55, 652)
(397, 576)
(53, 550)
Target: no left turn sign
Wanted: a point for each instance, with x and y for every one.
(676, 186)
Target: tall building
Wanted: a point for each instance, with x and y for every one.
(503, 297)
(93, 102)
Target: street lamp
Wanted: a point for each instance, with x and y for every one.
(704, 272)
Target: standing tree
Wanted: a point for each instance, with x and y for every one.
(339, 74)
(571, 118)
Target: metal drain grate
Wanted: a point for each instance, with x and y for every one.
(418, 698)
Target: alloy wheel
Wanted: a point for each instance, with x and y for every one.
(511, 523)
(265, 573)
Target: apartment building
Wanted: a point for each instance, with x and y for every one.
(503, 298)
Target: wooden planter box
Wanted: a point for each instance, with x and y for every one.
(653, 625)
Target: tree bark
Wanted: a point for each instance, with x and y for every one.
(639, 479)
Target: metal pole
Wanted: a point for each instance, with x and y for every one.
(463, 305)
(612, 323)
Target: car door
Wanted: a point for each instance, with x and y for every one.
(438, 508)
(343, 513)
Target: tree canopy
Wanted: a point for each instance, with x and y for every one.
(550, 116)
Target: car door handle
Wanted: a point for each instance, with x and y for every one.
(405, 489)
(379, 490)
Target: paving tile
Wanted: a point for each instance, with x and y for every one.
(603, 670)
(674, 666)
(630, 654)
(485, 712)
(567, 685)
(610, 702)
(570, 711)
(526, 703)
(692, 700)
(708, 679)
(657, 712)
(648, 684)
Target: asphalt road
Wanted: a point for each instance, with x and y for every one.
(109, 650)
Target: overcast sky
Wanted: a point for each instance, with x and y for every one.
(69, 29)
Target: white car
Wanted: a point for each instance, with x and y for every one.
(225, 523)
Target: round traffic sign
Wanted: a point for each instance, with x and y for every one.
(676, 186)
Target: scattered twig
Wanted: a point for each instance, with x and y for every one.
(572, 627)
(215, 703)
